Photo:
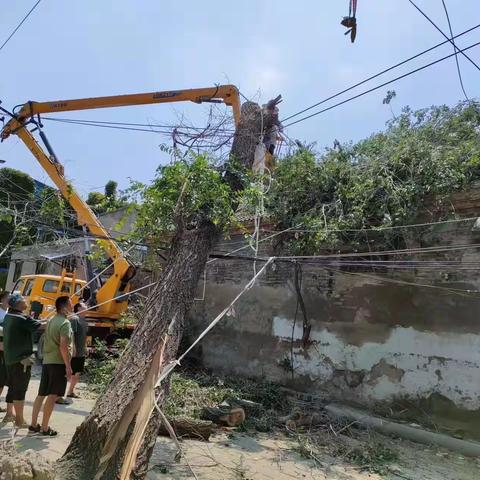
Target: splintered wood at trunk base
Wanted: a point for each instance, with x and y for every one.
(97, 450)
(172, 298)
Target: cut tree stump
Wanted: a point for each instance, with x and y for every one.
(252, 409)
(224, 415)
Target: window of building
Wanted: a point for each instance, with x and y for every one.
(40, 267)
(50, 286)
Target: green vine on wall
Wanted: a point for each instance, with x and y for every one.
(378, 182)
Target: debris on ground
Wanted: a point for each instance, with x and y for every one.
(330, 450)
(274, 455)
(200, 395)
(336, 447)
(27, 465)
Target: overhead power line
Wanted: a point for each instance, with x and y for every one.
(403, 62)
(19, 25)
(130, 124)
(380, 86)
(457, 50)
(168, 130)
(108, 125)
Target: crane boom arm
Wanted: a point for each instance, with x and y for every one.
(227, 94)
(85, 215)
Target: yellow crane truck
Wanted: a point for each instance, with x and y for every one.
(109, 298)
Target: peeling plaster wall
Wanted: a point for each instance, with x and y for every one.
(372, 339)
(408, 364)
(368, 342)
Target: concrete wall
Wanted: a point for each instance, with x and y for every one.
(377, 335)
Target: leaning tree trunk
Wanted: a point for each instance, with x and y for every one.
(112, 418)
(97, 449)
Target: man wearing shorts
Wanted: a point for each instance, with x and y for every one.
(79, 328)
(17, 349)
(57, 370)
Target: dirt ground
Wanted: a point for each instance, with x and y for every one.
(231, 455)
(265, 456)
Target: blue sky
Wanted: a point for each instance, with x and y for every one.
(73, 49)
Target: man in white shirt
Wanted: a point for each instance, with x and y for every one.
(3, 370)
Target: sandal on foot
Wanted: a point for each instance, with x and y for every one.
(73, 395)
(33, 429)
(61, 401)
(49, 432)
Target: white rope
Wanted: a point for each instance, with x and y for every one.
(170, 430)
(112, 299)
(171, 366)
(210, 261)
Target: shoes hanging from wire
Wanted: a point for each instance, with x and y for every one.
(351, 21)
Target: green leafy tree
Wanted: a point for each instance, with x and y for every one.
(190, 191)
(96, 201)
(108, 201)
(24, 212)
(16, 204)
(52, 207)
(378, 182)
(111, 190)
(55, 214)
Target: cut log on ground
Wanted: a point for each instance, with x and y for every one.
(252, 409)
(227, 416)
(189, 428)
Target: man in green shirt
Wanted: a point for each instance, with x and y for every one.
(17, 350)
(56, 371)
(4, 296)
